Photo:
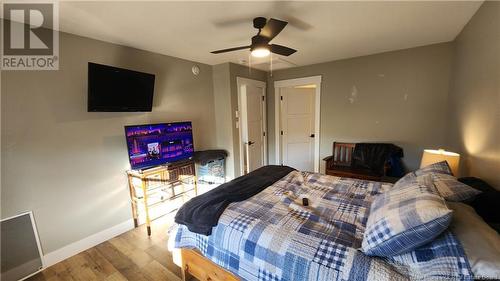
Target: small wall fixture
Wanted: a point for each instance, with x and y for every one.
(195, 69)
(431, 156)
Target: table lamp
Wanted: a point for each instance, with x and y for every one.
(431, 156)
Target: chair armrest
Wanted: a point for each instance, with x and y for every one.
(329, 162)
(328, 158)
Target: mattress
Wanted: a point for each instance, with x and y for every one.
(272, 236)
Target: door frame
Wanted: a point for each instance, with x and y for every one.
(311, 80)
(240, 82)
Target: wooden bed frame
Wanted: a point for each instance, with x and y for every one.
(194, 264)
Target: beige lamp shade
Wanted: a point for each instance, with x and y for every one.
(431, 156)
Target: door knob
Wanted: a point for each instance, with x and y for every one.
(311, 136)
(250, 142)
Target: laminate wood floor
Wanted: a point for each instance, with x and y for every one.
(130, 256)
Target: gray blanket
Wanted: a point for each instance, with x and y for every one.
(202, 213)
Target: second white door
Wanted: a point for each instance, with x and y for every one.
(253, 133)
(297, 119)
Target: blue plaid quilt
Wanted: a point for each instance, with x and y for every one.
(273, 237)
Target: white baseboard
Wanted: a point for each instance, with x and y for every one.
(86, 243)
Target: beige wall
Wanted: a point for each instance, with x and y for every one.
(474, 117)
(399, 97)
(68, 165)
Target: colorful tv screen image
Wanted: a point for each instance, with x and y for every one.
(159, 144)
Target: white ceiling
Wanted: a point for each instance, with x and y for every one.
(320, 31)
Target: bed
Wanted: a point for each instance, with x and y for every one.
(273, 236)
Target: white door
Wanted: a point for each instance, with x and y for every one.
(252, 100)
(297, 123)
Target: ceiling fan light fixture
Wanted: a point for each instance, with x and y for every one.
(260, 47)
(261, 52)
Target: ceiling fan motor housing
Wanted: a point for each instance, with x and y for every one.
(259, 22)
(259, 41)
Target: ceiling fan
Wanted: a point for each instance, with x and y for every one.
(260, 47)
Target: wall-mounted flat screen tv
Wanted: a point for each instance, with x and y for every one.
(113, 89)
(158, 144)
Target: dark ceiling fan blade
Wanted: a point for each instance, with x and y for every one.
(230, 49)
(282, 50)
(272, 28)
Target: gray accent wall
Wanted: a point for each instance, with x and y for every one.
(224, 114)
(399, 97)
(474, 117)
(68, 165)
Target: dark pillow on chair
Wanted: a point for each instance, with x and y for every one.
(486, 203)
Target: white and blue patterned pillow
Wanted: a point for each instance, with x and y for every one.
(452, 190)
(436, 168)
(445, 183)
(405, 218)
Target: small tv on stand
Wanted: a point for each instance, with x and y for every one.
(153, 145)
